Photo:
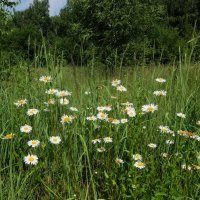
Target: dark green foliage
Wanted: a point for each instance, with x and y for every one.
(113, 32)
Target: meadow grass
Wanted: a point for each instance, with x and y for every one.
(74, 168)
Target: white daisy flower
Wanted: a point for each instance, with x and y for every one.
(160, 93)
(164, 129)
(139, 165)
(151, 145)
(64, 101)
(51, 91)
(121, 88)
(96, 140)
(66, 119)
(131, 112)
(164, 155)
(31, 159)
(149, 108)
(91, 118)
(181, 115)
(32, 112)
(169, 142)
(26, 129)
(45, 79)
(73, 109)
(21, 102)
(119, 161)
(160, 80)
(33, 143)
(101, 149)
(137, 157)
(115, 121)
(63, 93)
(123, 121)
(102, 116)
(107, 139)
(55, 139)
(116, 82)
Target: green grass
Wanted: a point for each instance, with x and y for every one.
(74, 169)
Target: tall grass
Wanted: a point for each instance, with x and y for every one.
(74, 169)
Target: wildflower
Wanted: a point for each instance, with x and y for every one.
(33, 143)
(115, 121)
(107, 139)
(50, 102)
(149, 108)
(101, 149)
(32, 112)
(45, 79)
(51, 91)
(164, 129)
(139, 165)
(160, 80)
(169, 142)
(66, 119)
(73, 109)
(63, 93)
(188, 167)
(181, 115)
(26, 128)
(8, 136)
(64, 101)
(160, 93)
(198, 123)
(121, 88)
(96, 140)
(116, 82)
(102, 116)
(137, 157)
(87, 92)
(31, 159)
(151, 145)
(131, 112)
(91, 118)
(123, 121)
(165, 155)
(21, 102)
(55, 139)
(119, 161)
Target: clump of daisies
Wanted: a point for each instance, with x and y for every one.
(31, 159)
(21, 102)
(45, 79)
(150, 108)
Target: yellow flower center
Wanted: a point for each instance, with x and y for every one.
(31, 159)
(150, 109)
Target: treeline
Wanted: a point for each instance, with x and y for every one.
(111, 32)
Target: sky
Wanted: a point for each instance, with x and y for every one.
(55, 6)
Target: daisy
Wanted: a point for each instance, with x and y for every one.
(26, 129)
(164, 129)
(160, 93)
(102, 116)
(160, 80)
(91, 118)
(116, 82)
(63, 93)
(123, 121)
(64, 101)
(55, 139)
(45, 79)
(32, 112)
(181, 115)
(51, 91)
(139, 165)
(96, 140)
(121, 88)
(131, 112)
(66, 119)
(102, 149)
(50, 102)
(151, 145)
(31, 159)
(21, 102)
(149, 108)
(8, 136)
(115, 121)
(107, 139)
(33, 143)
(119, 161)
(169, 142)
(137, 157)
(73, 109)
